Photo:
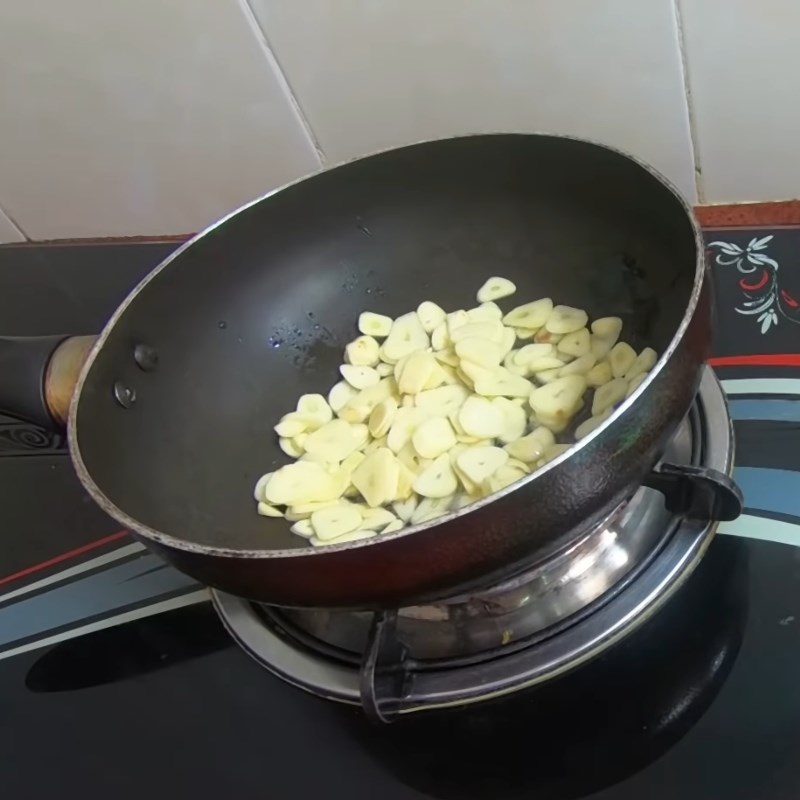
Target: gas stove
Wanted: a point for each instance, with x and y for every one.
(508, 637)
(699, 698)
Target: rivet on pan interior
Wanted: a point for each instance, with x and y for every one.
(124, 395)
(145, 357)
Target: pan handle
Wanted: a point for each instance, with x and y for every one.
(38, 375)
(697, 492)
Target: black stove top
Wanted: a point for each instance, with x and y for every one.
(116, 676)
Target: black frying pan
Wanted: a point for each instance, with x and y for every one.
(172, 423)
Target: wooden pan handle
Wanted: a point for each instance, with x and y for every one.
(38, 375)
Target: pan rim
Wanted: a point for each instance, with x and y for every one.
(168, 540)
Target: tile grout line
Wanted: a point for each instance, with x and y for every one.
(687, 91)
(14, 224)
(272, 59)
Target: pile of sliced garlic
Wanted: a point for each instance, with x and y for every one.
(445, 410)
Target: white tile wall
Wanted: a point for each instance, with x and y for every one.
(9, 232)
(372, 74)
(146, 117)
(743, 61)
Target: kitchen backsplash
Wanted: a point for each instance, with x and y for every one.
(157, 117)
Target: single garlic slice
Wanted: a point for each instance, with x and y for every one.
(502, 382)
(635, 383)
(587, 426)
(514, 420)
(443, 401)
(430, 508)
(566, 319)
(577, 343)
(530, 448)
(403, 425)
(380, 420)
(394, 525)
(495, 289)
(525, 333)
(599, 374)
(291, 425)
(433, 437)
(557, 400)
(608, 395)
(440, 338)
(481, 418)
(261, 485)
(485, 312)
(529, 315)
(363, 352)
(335, 521)
(374, 324)
(533, 352)
(479, 351)
(621, 357)
(315, 409)
(645, 361)
(290, 447)
(375, 518)
(406, 336)
(353, 536)
(339, 394)
(605, 333)
(416, 372)
(301, 482)
(478, 463)
(455, 319)
(436, 480)
(303, 528)
(430, 315)
(491, 331)
(359, 377)
(334, 441)
(266, 510)
(405, 508)
(552, 452)
(504, 477)
(580, 366)
(376, 477)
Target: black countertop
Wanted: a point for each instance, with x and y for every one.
(117, 679)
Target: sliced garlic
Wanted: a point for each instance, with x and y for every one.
(335, 521)
(503, 383)
(478, 463)
(405, 508)
(504, 477)
(608, 395)
(380, 420)
(478, 351)
(437, 480)
(406, 336)
(455, 319)
(529, 315)
(552, 452)
(491, 331)
(586, 427)
(394, 525)
(440, 338)
(485, 312)
(374, 324)
(566, 319)
(353, 536)
(430, 315)
(303, 528)
(645, 361)
(261, 485)
(432, 438)
(315, 409)
(266, 510)
(430, 508)
(339, 394)
(577, 343)
(334, 441)
(416, 371)
(545, 336)
(525, 333)
(580, 366)
(481, 418)
(290, 447)
(554, 403)
(376, 477)
(495, 289)
(383, 369)
(514, 421)
(605, 332)
(363, 352)
(599, 374)
(301, 482)
(290, 425)
(443, 401)
(359, 377)
(530, 448)
(533, 352)
(621, 357)
(635, 383)
(403, 425)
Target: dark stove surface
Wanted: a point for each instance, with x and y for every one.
(117, 679)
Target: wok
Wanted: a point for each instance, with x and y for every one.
(171, 422)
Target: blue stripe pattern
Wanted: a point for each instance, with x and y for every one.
(776, 490)
(765, 409)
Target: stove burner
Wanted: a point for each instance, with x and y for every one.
(471, 648)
